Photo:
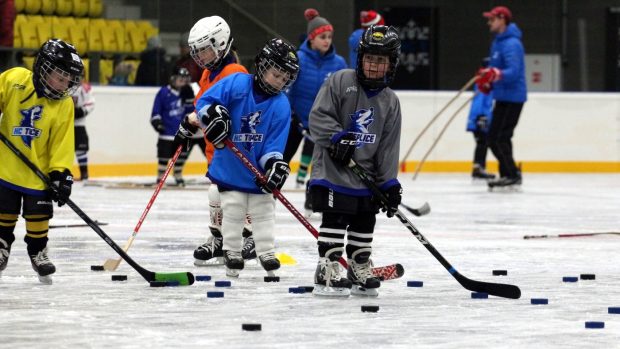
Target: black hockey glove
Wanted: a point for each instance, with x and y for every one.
(217, 124)
(158, 125)
(393, 194)
(61, 189)
(184, 134)
(277, 173)
(342, 148)
(78, 113)
(186, 93)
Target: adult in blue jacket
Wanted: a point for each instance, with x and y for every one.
(506, 77)
(317, 61)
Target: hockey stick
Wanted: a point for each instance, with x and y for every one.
(183, 278)
(387, 272)
(445, 127)
(52, 226)
(465, 87)
(500, 290)
(112, 264)
(574, 235)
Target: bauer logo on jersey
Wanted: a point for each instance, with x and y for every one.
(248, 134)
(361, 124)
(26, 129)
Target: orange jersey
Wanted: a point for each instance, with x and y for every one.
(206, 83)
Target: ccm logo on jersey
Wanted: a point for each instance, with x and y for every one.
(360, 127)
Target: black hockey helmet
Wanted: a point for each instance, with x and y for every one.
(180, 72)
(378, 40)
(179, 77)
(280, 55)
(62, 59)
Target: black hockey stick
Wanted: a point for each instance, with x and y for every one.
(500, 290)
(53, 226)
(183, 278)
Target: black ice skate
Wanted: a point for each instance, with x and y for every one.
(234, 263)
(270, 263)
(42, 265)
(248, 251)
(361, 276)
(5, 250)
(210, 253)
(179, 181)
(480, 173)
(506, 184)
(327, 280)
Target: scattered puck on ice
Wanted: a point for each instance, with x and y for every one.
(500, 272)
(370, 308)
(539, 301)
(296, 290)
(479, 295)
(570, 279)
(308, 289)
(215, 294)
(173, 283)
(595, 324)
(96, 267)
(587, 277)
(224, 283)
(271, 279)
(158, 283)
(613, 310)
(119, 277)
(251, 327)
(415, 283)
(203, 278)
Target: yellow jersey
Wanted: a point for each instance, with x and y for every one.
(39, 127)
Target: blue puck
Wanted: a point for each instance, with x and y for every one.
(296, 290)
(613, 310)
(570, 279)
(595, 324)
(224, 283)
(539, 301)
(203, 278)
(479, 295)
(215, 294)
(307, 288)
(415, 283)
(172, 283)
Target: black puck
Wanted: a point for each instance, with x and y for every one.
(215, 294)
(307, 288)
(251, 327)
(587, 277)
(119, 277)
(500, 272)
(158, 283)
(370, 308)
(96, 267)
(296, 290)
(414, 283)
(479, 295)
(271, 279)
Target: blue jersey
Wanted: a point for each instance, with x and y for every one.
(481, 105)
(259, 130)
(168, 108)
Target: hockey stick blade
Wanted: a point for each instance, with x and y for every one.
(572, 235)
(421, 211)
(389, 272)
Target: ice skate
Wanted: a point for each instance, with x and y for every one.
(506, 184)
(5, 250)
(210, 253)
(361, 276)
(43, 266)
(248, 251)
(270, 263)
(234, 263)
(479, 173)
(327, 280)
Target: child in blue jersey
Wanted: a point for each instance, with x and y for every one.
(253, 112)
(171, 104)
(478, 122)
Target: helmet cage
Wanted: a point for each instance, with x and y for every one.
(263, 68)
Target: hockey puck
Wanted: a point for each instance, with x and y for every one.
(613, 310)
(173, 283)
(203, 278)
(158, 283)
(479, 295)
(251, 327)
(500, 272)
(224, 283)
(271, 279)
(370, 308)
(587, 277)
(595, 324)
(570, 279)
(308, 289)
(96, 267)
(296, 290)
(215, 294)
(415, 283)
(539, 301)
(119, 277)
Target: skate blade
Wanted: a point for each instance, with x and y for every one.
(209, 262)
(506, 189)
(364, 292)
(233, 273)
(328, 291)
(47, 279)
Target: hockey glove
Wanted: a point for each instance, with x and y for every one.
(216, 122)
(79, 112)
(393, 194)
(158, 125)
(184, 133)
(342, 148)
(486, 77)
(186, 93)
(61, 186)
(277, 173)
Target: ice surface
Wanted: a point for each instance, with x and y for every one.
(476, 231)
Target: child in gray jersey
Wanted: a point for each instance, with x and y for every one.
(355, 116)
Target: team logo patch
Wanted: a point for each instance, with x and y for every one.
(26, 129)
(248, 135)
(360, 127)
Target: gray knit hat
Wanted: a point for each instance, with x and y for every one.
(316, 24)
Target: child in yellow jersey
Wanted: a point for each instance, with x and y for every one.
(37, 118)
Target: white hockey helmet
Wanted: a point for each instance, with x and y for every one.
(209, 41)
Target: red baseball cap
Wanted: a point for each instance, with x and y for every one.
(499, 11)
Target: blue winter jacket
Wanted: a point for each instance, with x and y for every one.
(508, 55)
(354, 43)
(481, 105)
(314, 70)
